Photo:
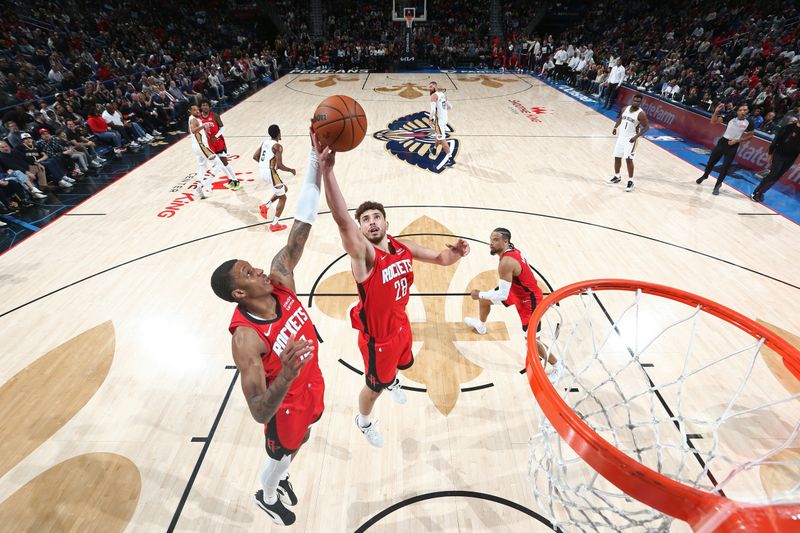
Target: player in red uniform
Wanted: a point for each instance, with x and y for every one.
(275, 347)
(383, 269)
(517, 287)
(214, 130)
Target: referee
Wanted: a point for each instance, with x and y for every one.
(740, 128)
(782, 153)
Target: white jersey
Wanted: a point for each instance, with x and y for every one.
(267, 158)
(441, 108)
(630, 119)
(199, 139)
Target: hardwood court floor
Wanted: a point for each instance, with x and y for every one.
(114, 350)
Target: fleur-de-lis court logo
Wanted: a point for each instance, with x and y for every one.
(408, 90)
(486, 80)
(439, 364)
(89, 492)
(328, 80)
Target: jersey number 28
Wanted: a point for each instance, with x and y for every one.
(401, 286)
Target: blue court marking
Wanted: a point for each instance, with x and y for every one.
(781, 198)
(19, 222)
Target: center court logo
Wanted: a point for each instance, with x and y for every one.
(409, 139)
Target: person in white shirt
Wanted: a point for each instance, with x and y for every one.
(548, 68)
(740, 128)
(615, 79)
(560, 58)
(126, 129)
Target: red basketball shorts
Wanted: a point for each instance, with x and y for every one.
(286, 430)
(382, 359)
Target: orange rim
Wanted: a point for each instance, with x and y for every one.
(703, 510)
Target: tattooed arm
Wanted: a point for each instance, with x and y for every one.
(286, 259)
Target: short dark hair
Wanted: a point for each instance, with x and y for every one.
(222, 281)
(368, 206)
(204, 101)
(505, 233)
(273, 130)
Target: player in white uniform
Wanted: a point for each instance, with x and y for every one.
(439, 108)
(270, 160)
(631, 124)
(206, 158)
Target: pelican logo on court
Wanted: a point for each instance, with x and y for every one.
(409, 139)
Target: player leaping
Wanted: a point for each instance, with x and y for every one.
(275, 347)
(383, 270)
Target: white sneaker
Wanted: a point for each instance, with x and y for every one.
(64, 184)
(200, 192)
(554, 374)
(629, 188)
(68, 179)
(3, 224)
(374, 436)
(397, 392)
(39, 194)
(149, 138)
(475, 324)
(156, 132)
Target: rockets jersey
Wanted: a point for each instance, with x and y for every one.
(381, 309)
(630, 119)
(219, 143)
(292, 319)
(523, 287)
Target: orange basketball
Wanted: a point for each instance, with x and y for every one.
(340, 123)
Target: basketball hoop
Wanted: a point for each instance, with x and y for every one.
(691, 409)
(409, 16)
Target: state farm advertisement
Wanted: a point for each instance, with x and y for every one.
(752, 154)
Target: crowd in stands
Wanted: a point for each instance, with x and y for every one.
(696, 53)
(80, 82)
(86, 82)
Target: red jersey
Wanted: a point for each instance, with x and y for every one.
(218, 145)
(381, 310)
(292, 319)
(524, 286)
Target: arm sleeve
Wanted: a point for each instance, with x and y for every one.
(433, 109)
(498, 294)
(221, 131)
(308, 199)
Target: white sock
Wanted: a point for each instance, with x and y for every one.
(616, 175)
(274, 220)
(229, 171)
(394, 384)
(363, 420)
(271, 473)
(268, 203)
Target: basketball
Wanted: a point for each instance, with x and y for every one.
(340, 123)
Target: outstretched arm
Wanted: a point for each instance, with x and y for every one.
(355, 244)
(283, 263)
(445, 257)
(499, 293)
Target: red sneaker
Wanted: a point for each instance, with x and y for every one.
(277, 227)
(264, 210)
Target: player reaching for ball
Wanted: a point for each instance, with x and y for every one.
(383, 270)
(270, 160)
(275, 347)
(438, 117)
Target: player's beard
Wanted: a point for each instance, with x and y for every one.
(376, 240)
(492, 252)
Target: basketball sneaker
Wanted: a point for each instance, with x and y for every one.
(277, 227)
(233, 185)
(286, 492)
(398, 395)
(615, 179)
(450, 163)
(554, 374)
(264, 209)
(629, 187)
(476, 324)
(276, 511)
(374, 436)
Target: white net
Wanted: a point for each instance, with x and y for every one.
(680, 391)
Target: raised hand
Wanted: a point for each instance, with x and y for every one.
(294, 357)
(461, 247)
